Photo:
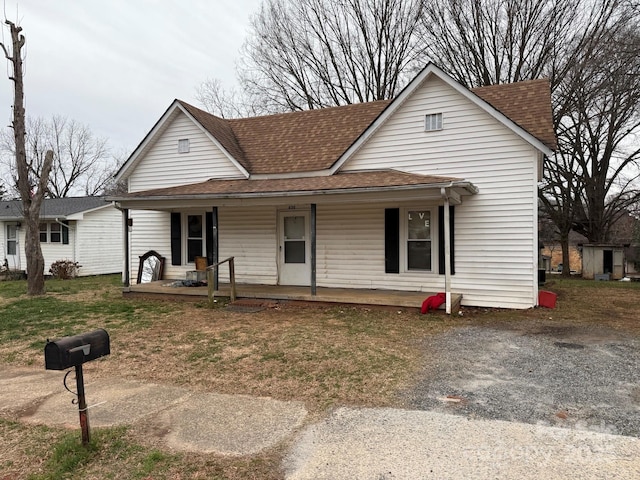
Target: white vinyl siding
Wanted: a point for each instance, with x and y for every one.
(249, 235)
(350, 250)
(51, 252)
(495, 230)
(162, 165)
(150, 230)
(98, 237)
(95, 242)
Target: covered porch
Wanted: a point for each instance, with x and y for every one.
(293, 235)
(354, 296)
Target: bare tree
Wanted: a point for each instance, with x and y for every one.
(317, 53)
(589, 50)
(601, 126)
(222, 102)
(32, 189)
(81, 163)
(112, 187)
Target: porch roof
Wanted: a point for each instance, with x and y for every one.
(344, 182)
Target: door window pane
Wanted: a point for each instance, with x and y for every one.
(294, 251)
(294, 228)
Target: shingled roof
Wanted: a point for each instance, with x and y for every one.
(302, 141)
(526, 103)
(52, 207)
(346, 181)
(314, 140)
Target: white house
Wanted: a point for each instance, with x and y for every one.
(87, 230)
(370, 196)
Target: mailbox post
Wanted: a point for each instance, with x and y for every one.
(73, 351)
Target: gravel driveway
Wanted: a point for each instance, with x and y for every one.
(581, 377)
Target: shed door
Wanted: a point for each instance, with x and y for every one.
(607, 261)
(294, 249)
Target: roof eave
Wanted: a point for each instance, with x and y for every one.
(465, 185)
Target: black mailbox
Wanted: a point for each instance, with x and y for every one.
(73, 351)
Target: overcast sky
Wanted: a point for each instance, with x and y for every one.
(116, 65)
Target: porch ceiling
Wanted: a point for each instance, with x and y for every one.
(363, 186)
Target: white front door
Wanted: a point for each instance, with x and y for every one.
(11, 247)
(294, 249)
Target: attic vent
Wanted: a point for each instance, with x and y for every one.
(432, 122)
(183, 145)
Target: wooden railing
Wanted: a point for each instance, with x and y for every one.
(212, 285)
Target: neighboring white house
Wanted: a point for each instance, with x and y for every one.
(87, 230)
(370, 196)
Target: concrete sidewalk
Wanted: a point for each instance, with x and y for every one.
(184, 420)
(376, 444)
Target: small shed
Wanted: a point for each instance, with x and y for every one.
(602, 260)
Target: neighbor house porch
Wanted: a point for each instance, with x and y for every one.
(378, 297)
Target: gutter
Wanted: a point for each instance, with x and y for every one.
(444, 192)
(472, 189)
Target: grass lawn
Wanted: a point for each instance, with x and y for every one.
(323, 356)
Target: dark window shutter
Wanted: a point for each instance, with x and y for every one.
(441, 239)
(392, 240)
(176, 239)
(65, 232)
(209, 237)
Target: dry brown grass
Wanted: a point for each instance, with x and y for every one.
(324, 356)
(321, 355)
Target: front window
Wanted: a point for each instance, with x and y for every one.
(55, 236)
(418, 240)
(53, 232)
(195, 237)
(12, 239)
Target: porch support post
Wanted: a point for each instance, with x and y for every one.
(313, 249)
(125, 239)
(447, 251)
(216, 253)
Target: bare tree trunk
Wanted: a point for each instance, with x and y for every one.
(31, 194)
(566, 259)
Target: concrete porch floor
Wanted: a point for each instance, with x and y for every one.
(392, 298)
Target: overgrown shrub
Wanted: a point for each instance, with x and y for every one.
(64, 269)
